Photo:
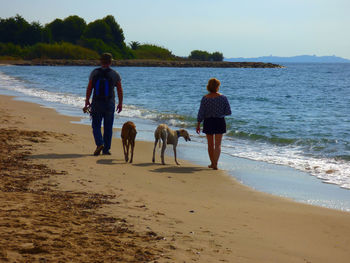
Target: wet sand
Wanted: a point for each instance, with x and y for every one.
(61, 204)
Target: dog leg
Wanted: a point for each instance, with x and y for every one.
(164, 139)
(132, 143)
(154, 149)
(174, 147)
(127, 148)
(124, 148)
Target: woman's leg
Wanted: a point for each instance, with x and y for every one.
(217, 149)
(210, 139)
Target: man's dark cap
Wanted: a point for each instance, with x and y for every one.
(106, 58)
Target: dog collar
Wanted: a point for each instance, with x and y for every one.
(178, 134)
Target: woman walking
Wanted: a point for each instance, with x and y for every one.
(212, 111)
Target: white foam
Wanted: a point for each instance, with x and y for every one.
(16, 85)
(326, 169)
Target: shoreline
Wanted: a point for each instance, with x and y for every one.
(141, 63)
(304, 189)
(203, 215)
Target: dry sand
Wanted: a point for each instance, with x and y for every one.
(61, 204)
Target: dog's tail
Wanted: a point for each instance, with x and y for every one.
(160, 144)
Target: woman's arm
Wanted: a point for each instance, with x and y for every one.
(201, 111)
(198, 128)
(200, 116)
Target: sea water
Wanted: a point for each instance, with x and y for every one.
(289, 133)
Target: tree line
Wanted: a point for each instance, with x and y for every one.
(101, 35)
(73, 38)
(206, 56)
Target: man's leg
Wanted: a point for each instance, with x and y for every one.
(96, 128)
(108, 121)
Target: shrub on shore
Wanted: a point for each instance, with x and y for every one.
(11, 50)
(44, 51)
(89, 49)
(100, 47)
(150, 51)
(59, 51)
(206, 56)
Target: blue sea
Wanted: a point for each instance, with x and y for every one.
(289, 133)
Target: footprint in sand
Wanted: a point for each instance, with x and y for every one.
(177, 221)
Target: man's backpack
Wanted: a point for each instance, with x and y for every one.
(103, 85)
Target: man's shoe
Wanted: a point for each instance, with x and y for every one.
(98, 150)
(106, 153)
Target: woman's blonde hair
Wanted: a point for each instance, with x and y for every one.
(213, 85)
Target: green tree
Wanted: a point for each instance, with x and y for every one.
(18, 31)
(32, 34)
(206, 56)
(134, 45)
(99, 29)
(11, 29)
(74, 27)
(57, 29)
(116, 32)
(46, 35)
(217, 56)
(199, 55)
(68, 30)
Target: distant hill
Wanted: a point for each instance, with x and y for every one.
(296, 59)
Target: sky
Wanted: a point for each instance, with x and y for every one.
(237, 28)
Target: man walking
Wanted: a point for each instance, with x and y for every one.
(101, 83)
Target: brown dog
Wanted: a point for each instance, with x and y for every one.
(128, 137)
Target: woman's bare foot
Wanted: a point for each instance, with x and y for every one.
(212, 166)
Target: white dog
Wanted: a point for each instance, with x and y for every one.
(168, 136)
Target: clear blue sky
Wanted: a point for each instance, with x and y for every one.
(236, 28)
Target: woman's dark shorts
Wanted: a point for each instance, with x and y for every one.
(214, 126)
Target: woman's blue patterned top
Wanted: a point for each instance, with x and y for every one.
(217, 107)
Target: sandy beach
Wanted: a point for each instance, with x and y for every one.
(61, 204)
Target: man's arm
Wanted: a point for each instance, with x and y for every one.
(88, 94)
(120, 96)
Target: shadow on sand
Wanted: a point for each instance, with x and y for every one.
(58, 156)
(144, 164)
(164, 169)
(110, 161)
(177, 169)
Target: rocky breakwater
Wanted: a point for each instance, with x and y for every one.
(193, 64)
(143, 63)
